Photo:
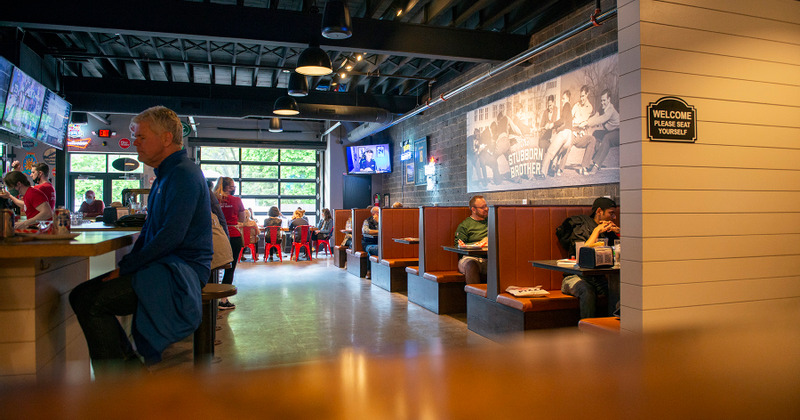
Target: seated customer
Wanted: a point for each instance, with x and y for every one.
(590, 229)
(34, 202)
(91, 207)
(274, 219)
(160, 280)
(298, 219)
(473, 231)
(370, 227)
(324, 227)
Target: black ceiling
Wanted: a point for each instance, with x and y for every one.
(204, 54)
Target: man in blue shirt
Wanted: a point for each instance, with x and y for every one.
(160, 280)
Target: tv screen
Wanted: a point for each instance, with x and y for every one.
(6, 68)
(369, 159)
(55, 120)
(23, 104)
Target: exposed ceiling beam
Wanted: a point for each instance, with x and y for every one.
(222, 23)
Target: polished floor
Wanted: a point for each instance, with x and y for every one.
(296, 312)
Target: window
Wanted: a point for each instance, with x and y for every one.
(285, 178)
(96, 172)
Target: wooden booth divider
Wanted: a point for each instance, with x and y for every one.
(357, 261)
(388, 267)
(436, 284)
(518, 235)
(339, 252)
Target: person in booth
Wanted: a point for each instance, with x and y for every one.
(370, 227)
(34, 202)
(590, 229)
(91, 207)
(161, 279)
(474, 231)
(39, 174)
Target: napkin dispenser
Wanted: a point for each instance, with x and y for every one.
(596, 257)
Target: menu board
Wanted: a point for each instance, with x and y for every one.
(55, 120)
(6, 68)
(23, 104)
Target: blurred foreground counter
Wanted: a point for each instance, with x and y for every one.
(554, 375)
(40, 338)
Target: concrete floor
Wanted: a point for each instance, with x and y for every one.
(298, 312)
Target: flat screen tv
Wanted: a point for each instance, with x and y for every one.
(55, 120)
(6, 69)
(23, 105)
(369, 159)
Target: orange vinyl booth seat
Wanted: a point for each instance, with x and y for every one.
(357, 261)
(388, 267)
(518, 235)
(437, 285)
(339, 252)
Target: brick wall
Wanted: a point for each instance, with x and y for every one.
(445, 124)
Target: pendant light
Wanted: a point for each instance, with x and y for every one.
(314, 62)
(286, 105)
(336, 20)
(298, 85)
(275, 125)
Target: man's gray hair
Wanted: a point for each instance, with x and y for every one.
(161, 119)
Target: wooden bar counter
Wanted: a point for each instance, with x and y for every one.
(40, 339)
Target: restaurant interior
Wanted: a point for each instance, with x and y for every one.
(345, 105)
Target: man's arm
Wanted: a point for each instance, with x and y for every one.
(17, 202)
(45, 212)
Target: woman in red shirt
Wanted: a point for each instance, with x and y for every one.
(234, 212)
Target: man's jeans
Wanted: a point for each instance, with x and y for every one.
(372, 250)
(586, 289)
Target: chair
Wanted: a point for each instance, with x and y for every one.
(327, 244)
(304, 242)
(248, 230)
(273, 233)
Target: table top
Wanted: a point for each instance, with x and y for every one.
(95, 226)
(87, 244)
(574, 269)
(675, 374)
(482, 253)
(408, 241)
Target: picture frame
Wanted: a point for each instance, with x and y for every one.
(420, 159)
(410, 174)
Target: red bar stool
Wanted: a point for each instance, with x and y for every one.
(272, 233)
(327, 244)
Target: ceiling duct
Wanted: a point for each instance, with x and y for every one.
(370, 128)
(363, 114)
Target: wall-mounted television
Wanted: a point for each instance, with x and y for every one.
(369, 159)
(6, 70)
(55, 120)
(23, 105)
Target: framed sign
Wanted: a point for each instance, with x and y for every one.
(671, 119)
(420, 159)
(410, 172)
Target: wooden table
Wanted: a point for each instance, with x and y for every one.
(714, 373)
(100, 226)
(407, 241)
(480, 253)
(574, 269)
(39, 335)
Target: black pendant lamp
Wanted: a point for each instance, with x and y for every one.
(314, 62)
(298, 85)
(336, 20)
(275, 125)
(286, 105)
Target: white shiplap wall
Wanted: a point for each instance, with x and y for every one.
(712, 229)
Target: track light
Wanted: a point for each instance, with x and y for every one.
(336, 20)
(275, 125)
(286, 105)
(298, 85)
(314, 62)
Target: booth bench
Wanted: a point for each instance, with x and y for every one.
(357, 262)
(339, 252)
(388, 267)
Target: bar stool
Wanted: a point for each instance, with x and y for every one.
(327, 244)
(204, 335)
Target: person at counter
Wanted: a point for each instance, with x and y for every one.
(39, 174)
(34, 202)
(589, 229)
(160, 280)
(474, 230)
(91, 207)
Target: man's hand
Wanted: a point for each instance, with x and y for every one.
(5, 194)
(483, 242)
(461, 243)
(112, 275)
(16, 166)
